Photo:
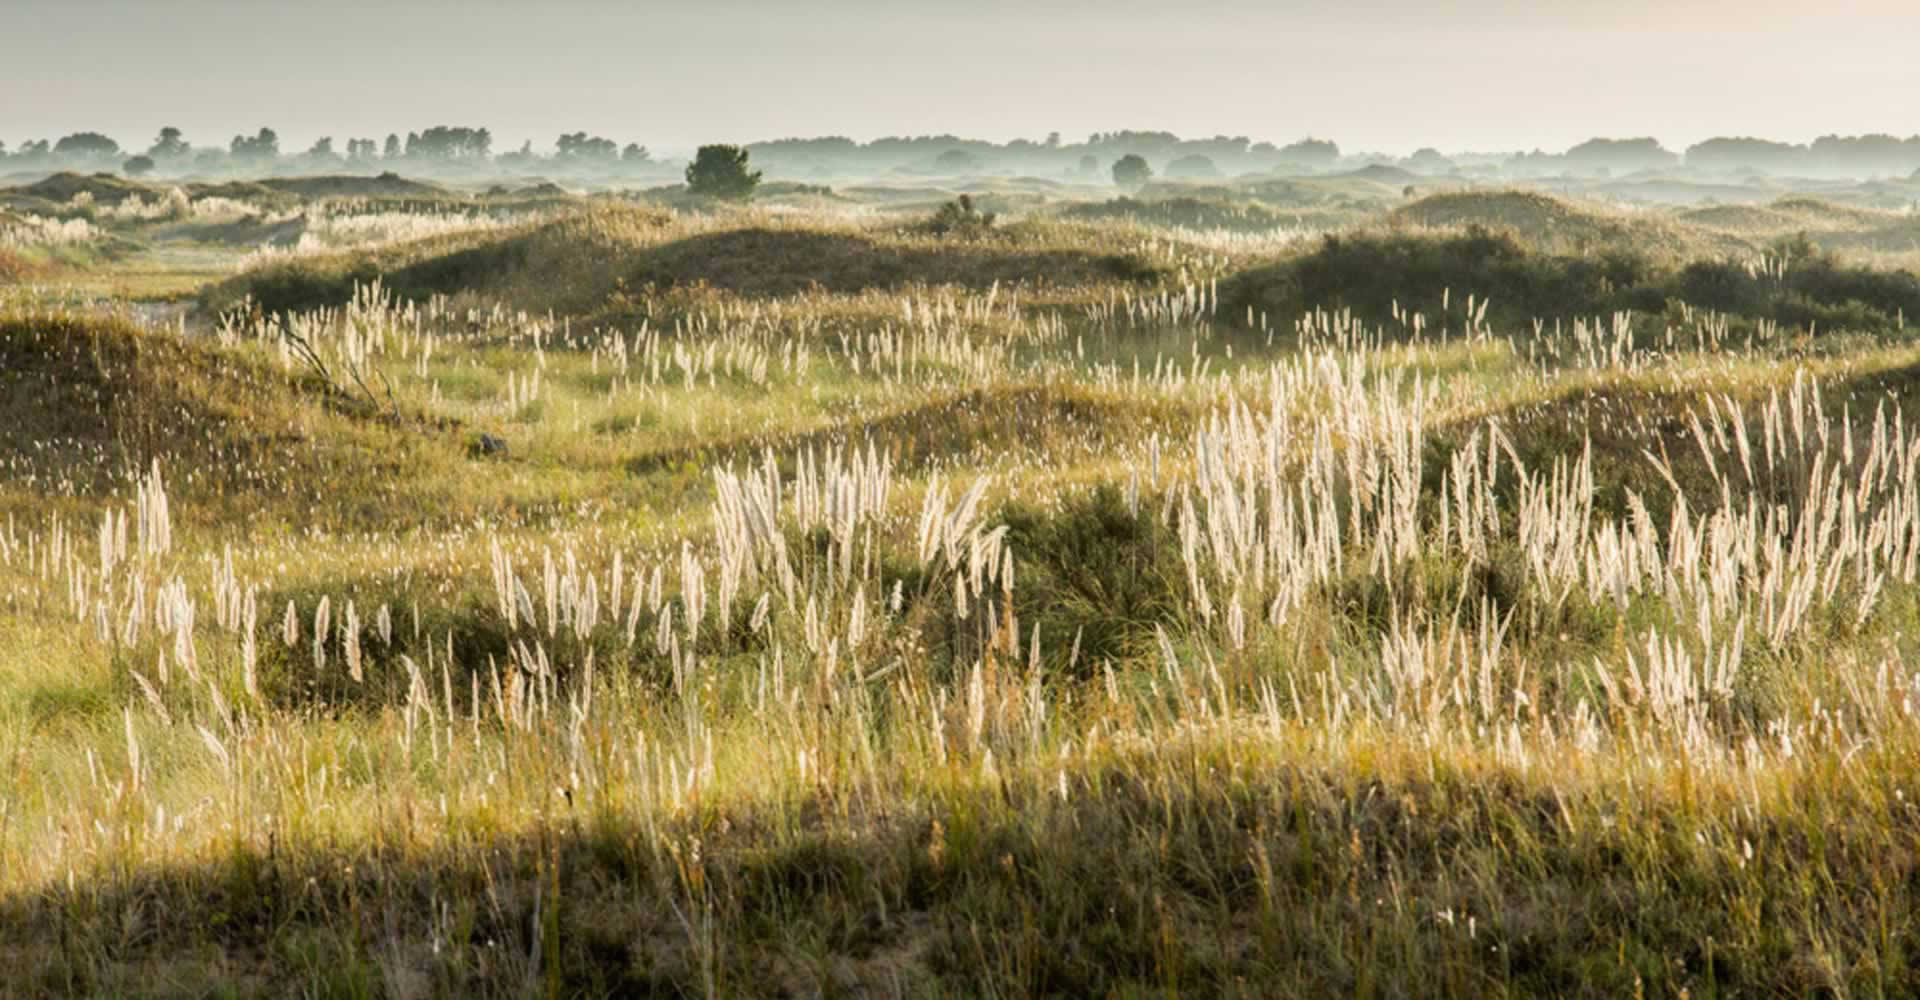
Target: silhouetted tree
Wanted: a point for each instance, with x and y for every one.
(1193, 166)
(635, 154)
(392, 150)
(138, 166)
(1310, 152)
(449, 142)
(1621, 154)
(1860, 155)
(1429, 159)
(1134, 142)
(519, 157)
(264, 145)
(1734, 152)
(720, 171)
(86, 145)
(169, 145)
(581, 146)
(1131, 171)
(957, 161)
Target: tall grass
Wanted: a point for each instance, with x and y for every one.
(761, 661)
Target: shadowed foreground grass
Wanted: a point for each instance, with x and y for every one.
(1217, 862)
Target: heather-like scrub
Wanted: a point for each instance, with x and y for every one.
(1378, 275)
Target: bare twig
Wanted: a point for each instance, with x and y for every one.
(354, 370)
(307, 353)
(387, 384)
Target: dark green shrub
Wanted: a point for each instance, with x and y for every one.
(1369, 273)
(1097, 569)
(960, 217)
(1131, 171)
(1823, 280)
(1190, 213)
(720, 171)
(1721, 285)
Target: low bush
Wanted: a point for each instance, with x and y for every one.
(1370, 273)
(960, 218)
(1096, 575)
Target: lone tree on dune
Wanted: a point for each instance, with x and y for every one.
(721, 172)
(138, 166)
(1131, 171)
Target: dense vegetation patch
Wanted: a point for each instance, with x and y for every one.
(1185, 213)
(1371, 273)
(576, 265)
(90, 404)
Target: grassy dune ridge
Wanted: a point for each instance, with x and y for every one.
(856, 610)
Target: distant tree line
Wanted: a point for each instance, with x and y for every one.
(1095, 159)
(946, 154)
(1872, 154)
(439, 145)
(1853, 156)
(171, 152)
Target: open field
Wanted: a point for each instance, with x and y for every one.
(1237, 589)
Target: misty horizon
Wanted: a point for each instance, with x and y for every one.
(1380, 77)
(293, 145)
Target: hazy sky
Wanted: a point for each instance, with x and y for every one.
(1385, 75)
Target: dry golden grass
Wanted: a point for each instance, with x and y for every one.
(949, 637)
